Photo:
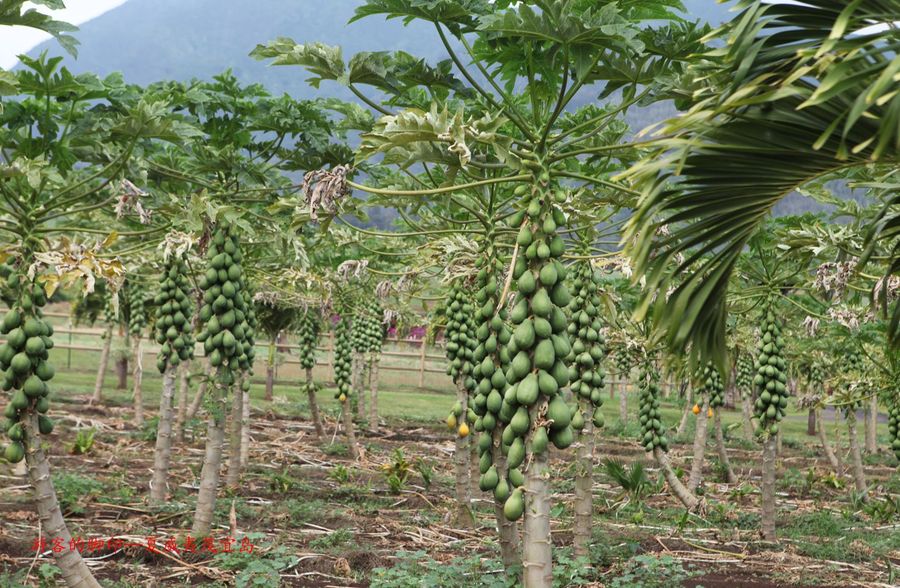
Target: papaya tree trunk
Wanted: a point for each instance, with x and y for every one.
(826, 446)
(699, 447)
(75, 572)
(233, 477)
(747, 417)
(212, 460)
(767, 495)
(313, 404)
(373, 392)
(270, 371)
(687, 498)
(685, 414)
(584, 482)
(348, 428)
(623, 401)
(245, 428)
(97, 396)
(859, 475)
(121, 373)
(871, 425)
(160, 479)
(198, 397)
(183, 386)
(722, 450)
(537, 554)
(811, 422)
(138, 376)
(462, 516)
(359, 368)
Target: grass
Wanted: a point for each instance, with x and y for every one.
(412, 405)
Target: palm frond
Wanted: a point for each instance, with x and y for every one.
(750, 142)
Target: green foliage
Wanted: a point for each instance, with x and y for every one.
(303, 510)
(332, 541)
(84, 441)
(258, 569)
(340, 474)
(651, 571)
(414, 569)
(396, 472)
(634, 481)
(74, 490)
(426, 470)
(336, 450)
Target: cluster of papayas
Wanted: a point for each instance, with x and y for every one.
(343, 358)
(623, 359)
(367, 332)
(137, 313)
(771, 375)
(816, 377)
(853, 374)
(711, 385)
(308, 325)
(226, 315)
(744, 374)
(491, 410)
(539, 346)
(894, 424)
(24, 360)
(174, 331)
(587, 376)
(649, 414)
(459, 333)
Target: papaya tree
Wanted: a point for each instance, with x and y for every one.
(174, 309)
(308, 328)
(494, 131)
(53, 181)
(223, 316)
(274, 320)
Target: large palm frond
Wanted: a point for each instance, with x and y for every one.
(771, 118)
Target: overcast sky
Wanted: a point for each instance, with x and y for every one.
(16, 40)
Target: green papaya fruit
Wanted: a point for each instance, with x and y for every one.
(563, 438)
(514, 505)
(527, 392)
(45, 425)
(15, 452)
(558, 412)
(516, 455)
(539, 441)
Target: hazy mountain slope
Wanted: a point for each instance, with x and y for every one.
(150, 40)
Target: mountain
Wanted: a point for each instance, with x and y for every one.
(151, 40)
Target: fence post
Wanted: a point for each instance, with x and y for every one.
(422, 364)
(69, 350)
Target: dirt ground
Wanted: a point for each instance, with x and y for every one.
(315, 517)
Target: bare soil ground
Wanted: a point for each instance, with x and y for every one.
(318, 518)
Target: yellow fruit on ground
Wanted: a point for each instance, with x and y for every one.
(451, 421)
(696, 409)
(464, 430)
(709, 413)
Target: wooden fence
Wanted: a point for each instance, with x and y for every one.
(412, 362)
